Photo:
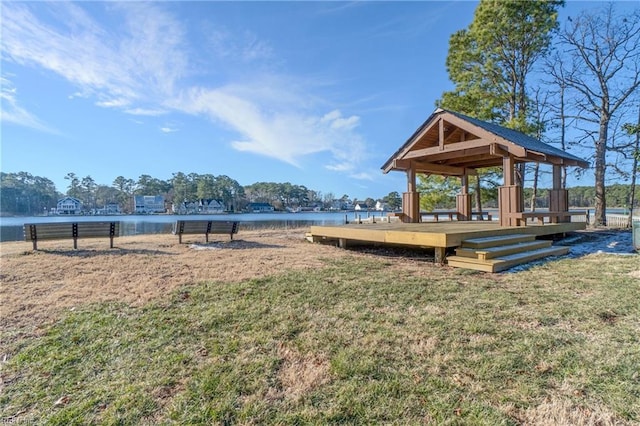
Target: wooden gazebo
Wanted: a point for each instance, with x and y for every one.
(452, 144)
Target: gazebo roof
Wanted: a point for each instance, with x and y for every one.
(450, 143)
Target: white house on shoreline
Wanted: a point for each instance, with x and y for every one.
(69, 205)
(149, 204)
(202, 206)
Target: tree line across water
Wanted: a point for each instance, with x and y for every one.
(24, 194)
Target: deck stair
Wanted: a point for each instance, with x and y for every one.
(494, 254)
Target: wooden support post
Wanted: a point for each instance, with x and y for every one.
(558, 196)
(557, 176)
(411, 178)
(411, 198)
(411, 207)
(342, 243)
(507, 170)
(510, 201)
(440, 253)
(463, 200)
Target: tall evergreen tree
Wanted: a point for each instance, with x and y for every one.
(490, 61)
(74, 189)
(443, 197)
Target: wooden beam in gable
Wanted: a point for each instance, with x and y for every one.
(452, 147)
(448, 155)
(417, 138)
(479, 160)
(432, 168)
(479, 131)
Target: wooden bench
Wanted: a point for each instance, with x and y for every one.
(205, 227)
(552, 217)
(454, 215)
(481, 216)
(35, 232)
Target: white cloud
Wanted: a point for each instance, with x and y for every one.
(338, 122)
(339, 167)
(147, 112)
(346, 123)
(138, 65)
(363, 176)
(113, 103)
(12, 112)
(142, 62)
(282, 130)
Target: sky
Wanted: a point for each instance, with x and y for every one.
(318, 94)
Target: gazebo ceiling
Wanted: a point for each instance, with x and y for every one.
(450, 143)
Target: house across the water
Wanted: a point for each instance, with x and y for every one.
(210, 206)
(260, 207)
(149, 204)
(202, 206)
(69, 205)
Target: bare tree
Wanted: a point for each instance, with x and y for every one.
(540, 111)
(555, 68)
(604, 71)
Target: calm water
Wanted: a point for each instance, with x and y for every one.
(11, 228)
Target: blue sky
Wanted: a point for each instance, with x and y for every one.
(314, 93)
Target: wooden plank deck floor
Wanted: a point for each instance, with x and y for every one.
(439, 235)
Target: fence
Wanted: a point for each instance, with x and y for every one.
(615, 220)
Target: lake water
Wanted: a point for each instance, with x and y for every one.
(11, 228)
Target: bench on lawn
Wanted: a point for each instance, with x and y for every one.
(35, 232)
(205, 227)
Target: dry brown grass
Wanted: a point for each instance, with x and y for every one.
(37, 286)
(299, 373)
(563, 412)
(270, 329)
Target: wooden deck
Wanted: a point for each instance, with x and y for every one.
(438, 235)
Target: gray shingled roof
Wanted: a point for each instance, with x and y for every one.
(514, 136)
(518, 138)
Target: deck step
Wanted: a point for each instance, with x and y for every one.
(498, 251)
(498, 240)
(505, 262)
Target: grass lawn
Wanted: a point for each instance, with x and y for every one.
(357, 341)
